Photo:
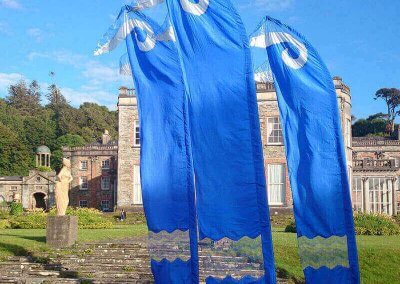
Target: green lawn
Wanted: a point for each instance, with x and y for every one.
(24, 242)
(379, 256)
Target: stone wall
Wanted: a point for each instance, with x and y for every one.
(94, 155)
(128, 154)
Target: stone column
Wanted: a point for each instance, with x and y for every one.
(365, 201)
(394, 195)
(390, 197)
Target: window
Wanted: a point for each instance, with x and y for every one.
(105, 183)
(274, 131)
(105, 165)
(136, 134)
(84, 165)
(276, 184)
(105, 205)
(379, 195)
(83, 203)
(137, 189)
(357, 194)
(347, 133)
(83, 182)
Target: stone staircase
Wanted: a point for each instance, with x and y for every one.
(118, 262)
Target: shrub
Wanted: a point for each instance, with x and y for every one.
(4, 214)
(397, 219)
(4, 224)
(34, 220)
(16, 208)
(375, 224)
(291, 227)
(44, 169)
(88, 218)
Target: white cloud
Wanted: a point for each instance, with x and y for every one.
(11, 4)
(6, 79)
(37, 34)
(99, 77)
(78, 97)
(96, 72)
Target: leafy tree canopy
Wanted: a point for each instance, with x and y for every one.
(25, 124)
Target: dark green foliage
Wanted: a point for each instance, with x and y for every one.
(25, 125)
(397, 219)
(375, 225)
(69, 140)
(16, 209)
(15, 157)
(392, 98)
(291, 227)
(374, 125)
(24, 98)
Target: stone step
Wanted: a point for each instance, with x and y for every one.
(4, 280)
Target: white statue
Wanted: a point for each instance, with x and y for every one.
(64, 179)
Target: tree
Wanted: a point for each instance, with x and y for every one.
(392, 98)
(15, 157)
(55, 98)
(374, 125)
(69, 140)
(26, 99)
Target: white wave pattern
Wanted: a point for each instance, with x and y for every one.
(268, 39)
(144, 4)
(196, 9)
(169, 246)
(323, 252)
(167, 35)
(127, 27)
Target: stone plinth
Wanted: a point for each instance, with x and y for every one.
(62, 231)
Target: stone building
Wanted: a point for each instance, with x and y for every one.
(94, 171)
(376, 161)
(35, 190)
(124, 172)
(279, 193)
(376, 171)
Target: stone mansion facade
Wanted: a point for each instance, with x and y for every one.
(107, 174)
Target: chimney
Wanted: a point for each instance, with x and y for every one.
(106, 137)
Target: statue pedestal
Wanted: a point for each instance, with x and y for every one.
(62, 231)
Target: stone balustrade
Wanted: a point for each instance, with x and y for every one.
(375, 165)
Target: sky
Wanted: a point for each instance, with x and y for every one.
(359, 41)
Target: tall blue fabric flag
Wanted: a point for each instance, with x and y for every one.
(227, 153)
(166, 164)
(315, 155)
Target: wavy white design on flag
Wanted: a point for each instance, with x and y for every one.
(197, 9)
(272, 38)
(144, 4)
(129, 25)
(150, 42)
(167, 35)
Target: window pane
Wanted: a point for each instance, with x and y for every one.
(276, 184)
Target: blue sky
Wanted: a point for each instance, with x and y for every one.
(359, 41)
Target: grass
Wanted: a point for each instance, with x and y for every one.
(379, 255)
(22, 242)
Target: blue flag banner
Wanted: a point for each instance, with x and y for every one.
(230, 186)
(315, 155)
(166, 165)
